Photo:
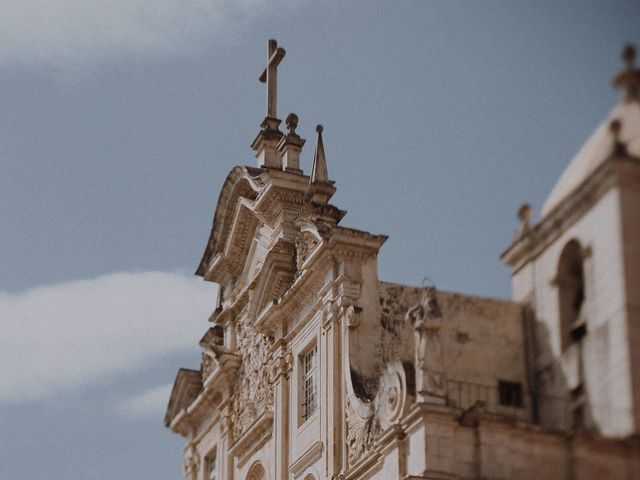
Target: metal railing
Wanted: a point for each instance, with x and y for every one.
(508, 399)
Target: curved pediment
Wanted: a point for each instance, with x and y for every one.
(241, 183)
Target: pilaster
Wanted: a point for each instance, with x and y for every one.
(226, 441)
(332, 383)
(280, 367)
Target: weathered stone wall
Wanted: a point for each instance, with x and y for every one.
(482, 342)
(606, 351)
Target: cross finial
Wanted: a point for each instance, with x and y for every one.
(628, 80)
(269, 76)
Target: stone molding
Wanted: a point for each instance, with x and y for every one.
(307, 458)
(537, 238)
(259, 432)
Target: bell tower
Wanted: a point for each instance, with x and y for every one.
(578, 268)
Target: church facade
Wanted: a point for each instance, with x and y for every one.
(313, 368)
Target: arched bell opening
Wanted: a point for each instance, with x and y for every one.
(571, 294)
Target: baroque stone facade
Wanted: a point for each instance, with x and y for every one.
(313, 368)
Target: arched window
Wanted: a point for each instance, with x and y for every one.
(257, 473)
(571, 294)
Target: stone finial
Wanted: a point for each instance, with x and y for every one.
(524, 215)
(290, 146)
(629, 55)
(619, 147)
(628, 80)
(292, 123)
(319, 172)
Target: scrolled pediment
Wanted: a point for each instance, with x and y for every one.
(241, 183)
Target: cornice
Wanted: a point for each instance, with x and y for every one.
(535, 240)
(297, 295)
(242, 182)
(186, 388)
(253, 438)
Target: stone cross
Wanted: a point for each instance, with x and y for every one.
(270, 77)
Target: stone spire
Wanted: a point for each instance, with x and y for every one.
(319, 172)
(321, 187)
(266, 143)
(628, 80)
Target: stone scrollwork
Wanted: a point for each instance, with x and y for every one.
(353, 316)
(366, 420)
(253, 392)
(426, 319)
(392, 395)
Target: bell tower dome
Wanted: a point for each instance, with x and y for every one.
(578, 268)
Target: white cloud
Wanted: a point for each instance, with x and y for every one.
(151, 403)
(61, 34)
(65, 336)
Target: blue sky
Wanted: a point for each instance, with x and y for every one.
(121, 119)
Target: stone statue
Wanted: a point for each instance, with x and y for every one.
(426, 318)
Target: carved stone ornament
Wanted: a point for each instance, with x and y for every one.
(191, 463)
(426, 319)
(206, 364)
(253, 392)
(366, 420)
(281, 364)
(362, 427)
(305, 243)
(353, 316)
(391, 399)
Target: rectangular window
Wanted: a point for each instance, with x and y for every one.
(211, 466)
(309, 368)
(510, 393)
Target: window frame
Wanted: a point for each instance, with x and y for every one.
(309, 376)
